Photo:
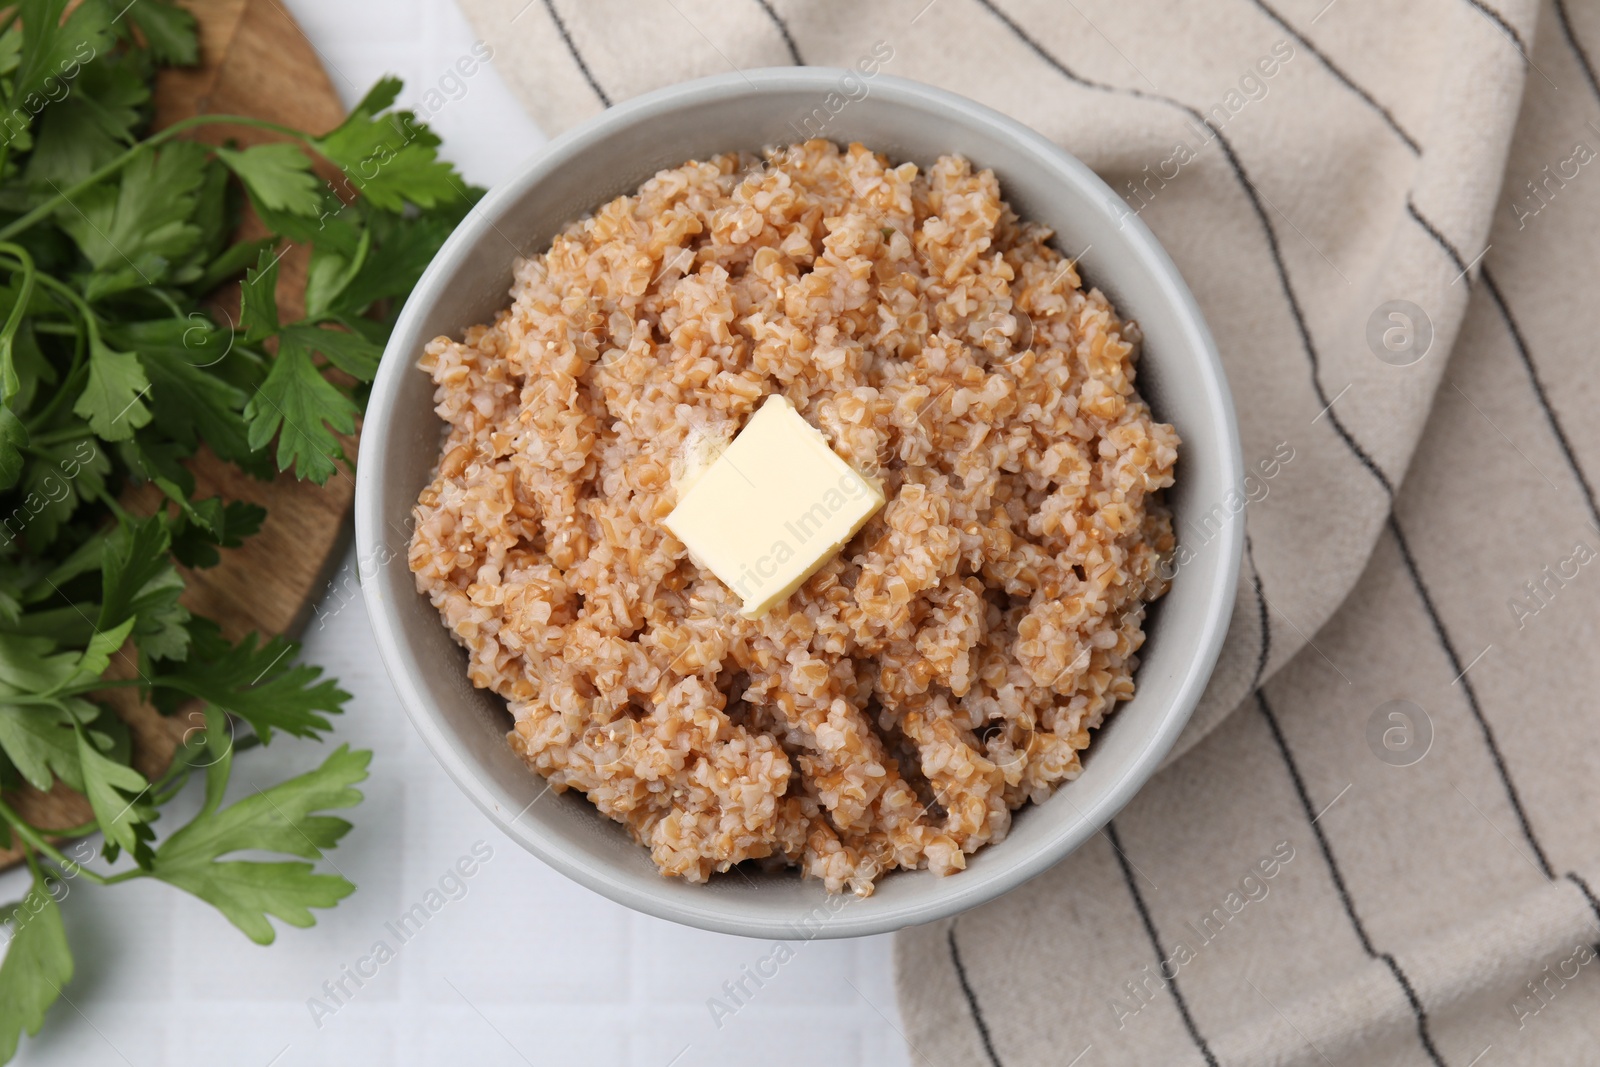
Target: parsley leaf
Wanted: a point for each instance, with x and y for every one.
(231, 261)
(169, 29)
(388, 156)
(41, 743)
(52, 51)
(134, 555)
(305, 229)
(350, 352)
(29, 663)
(97, 656)
(36, 966)
(195, 543)
(91, 125)
(132, 232)
(10, 50)
(280, 819)
(189, 404)
(113, 399)
(304, 409)
(56, 484)
(216, 217)
(258, 310)
(254, 680)
(402, 249)
(23, 366)
(13, 438)
(278, 176)
(333, 267)
(116, 792)
(139, 583)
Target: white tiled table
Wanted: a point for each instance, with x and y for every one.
(525, 967)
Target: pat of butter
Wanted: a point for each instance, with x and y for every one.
(772, 508)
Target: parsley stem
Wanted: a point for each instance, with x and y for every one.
(33, 867)
(41, 700)
(81, 830)
(90, 322)
(31, 834)
(112, 505)
(47, 208)
(71, 433)
(166, 298)
(53, 700)
(14, 320)
(70, 386)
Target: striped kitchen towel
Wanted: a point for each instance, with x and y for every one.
(1381, 843)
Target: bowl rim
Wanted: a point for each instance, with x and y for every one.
(714, 911)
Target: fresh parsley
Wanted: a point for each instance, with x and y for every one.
(117, 367)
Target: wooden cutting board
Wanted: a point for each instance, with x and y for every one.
(256, 62)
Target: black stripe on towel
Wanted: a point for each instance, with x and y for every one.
(1500, 20)
(1520, 343)
(1345, 898)
(1349, 441)
(1344, 434)
(783, 28)
(1255, 202)
(1265, 615)
(1512, 794)
(1489, 739)
(1155, 943)
(577, 56)
(1349, 83)
(1571, 35)
(1556, 428)
(1450, 250)
(972, 998)
(1524, 353)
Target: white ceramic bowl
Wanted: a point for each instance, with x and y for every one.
(468, 282)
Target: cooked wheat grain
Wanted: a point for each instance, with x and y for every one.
(948, 664)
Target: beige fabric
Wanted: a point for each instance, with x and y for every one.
(1430, 913)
